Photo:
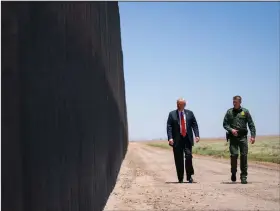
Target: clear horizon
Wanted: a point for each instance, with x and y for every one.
(206, 52)
(203, 138)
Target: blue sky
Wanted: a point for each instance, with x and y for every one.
(204, 52)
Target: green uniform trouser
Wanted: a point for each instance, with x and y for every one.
(236, 144)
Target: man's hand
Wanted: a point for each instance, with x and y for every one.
(252, 140)
(197, 139)
(171, 142)
(234, 132)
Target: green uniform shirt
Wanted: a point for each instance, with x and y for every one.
(238, 119)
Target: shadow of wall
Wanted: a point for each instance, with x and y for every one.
(64, 120)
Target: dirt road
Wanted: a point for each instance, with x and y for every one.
(148, 181)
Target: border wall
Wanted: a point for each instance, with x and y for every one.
(64, 119)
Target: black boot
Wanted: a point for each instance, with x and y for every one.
(243, 180)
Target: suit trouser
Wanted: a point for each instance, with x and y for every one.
(183, 147)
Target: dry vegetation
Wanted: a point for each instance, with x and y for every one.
(266, 148)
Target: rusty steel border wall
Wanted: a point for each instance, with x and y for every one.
(64, 119)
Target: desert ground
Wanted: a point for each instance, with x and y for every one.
(148, 181)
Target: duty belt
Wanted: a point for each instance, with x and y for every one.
(240, 133)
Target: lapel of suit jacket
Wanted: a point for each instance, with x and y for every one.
(178, 118)
(187, 116)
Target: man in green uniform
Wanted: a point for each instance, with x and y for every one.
(235, 122)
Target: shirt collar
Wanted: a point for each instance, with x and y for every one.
(240, 109)
(179, 112)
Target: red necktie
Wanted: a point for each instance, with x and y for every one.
(183, 126)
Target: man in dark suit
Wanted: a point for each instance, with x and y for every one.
(181, 124)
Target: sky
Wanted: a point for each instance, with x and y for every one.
(205, 53)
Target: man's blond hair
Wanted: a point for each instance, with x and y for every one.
(181, 100)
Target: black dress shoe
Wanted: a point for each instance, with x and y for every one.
(190, 180)
(233, 177)
(180, 181)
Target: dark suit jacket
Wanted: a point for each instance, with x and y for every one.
(173, 126)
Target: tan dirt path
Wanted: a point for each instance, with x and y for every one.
(148, 181)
